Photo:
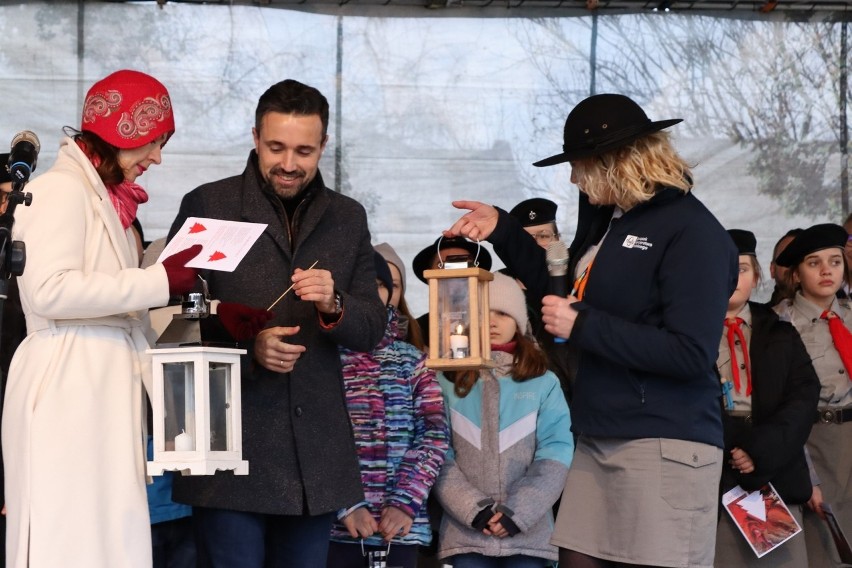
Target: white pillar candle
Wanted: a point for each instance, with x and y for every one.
(459, 343)
(184, 442)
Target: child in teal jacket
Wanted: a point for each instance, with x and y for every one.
(511, 448)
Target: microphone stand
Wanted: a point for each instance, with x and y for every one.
(12, 253)
(12, 261)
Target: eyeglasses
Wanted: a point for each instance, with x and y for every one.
(545, 237)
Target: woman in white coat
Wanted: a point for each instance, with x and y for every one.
(72, 427)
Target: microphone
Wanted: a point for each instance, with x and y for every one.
(557, 267)
(24, 155)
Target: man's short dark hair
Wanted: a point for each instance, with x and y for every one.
(292, 97)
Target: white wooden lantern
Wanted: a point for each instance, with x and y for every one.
(459, 317)
(196, 400)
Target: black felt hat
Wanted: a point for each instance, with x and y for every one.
(535, 211)
(602, 123)
(423, 260)
(4, 170)
(745, 241)
(812, 239)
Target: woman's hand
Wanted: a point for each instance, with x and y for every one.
(558, 316)
(477, 225)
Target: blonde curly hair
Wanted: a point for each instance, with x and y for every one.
(631, 175)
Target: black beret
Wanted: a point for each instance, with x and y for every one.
(4, 168)
(745, 241)
(812, 239)
(535, 211)
(423, 260)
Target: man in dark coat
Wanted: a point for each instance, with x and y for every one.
(296, 432)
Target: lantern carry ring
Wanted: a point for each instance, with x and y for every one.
(475, 258)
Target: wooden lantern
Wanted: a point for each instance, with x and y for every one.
(459, 318)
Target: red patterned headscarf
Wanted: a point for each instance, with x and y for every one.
(128, 109)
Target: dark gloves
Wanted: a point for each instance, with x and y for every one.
(509, 525)
(480, 521)
(242, 322)
(182, 279)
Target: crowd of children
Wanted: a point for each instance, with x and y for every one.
(785, 397)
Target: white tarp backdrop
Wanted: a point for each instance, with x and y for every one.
(430, 109)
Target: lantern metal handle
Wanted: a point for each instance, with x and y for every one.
(475, 258)
(197, 304)
(205, 290)
(377, 559)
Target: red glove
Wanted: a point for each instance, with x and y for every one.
(242, 322)
(182, 279)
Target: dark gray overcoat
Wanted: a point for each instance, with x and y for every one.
(296, 431)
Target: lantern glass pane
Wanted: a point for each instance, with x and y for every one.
(454, 310)
(220, 407)
(179, 406)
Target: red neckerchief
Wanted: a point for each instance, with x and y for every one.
(841, 337)
(736, 332)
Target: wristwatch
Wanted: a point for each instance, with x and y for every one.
(338, 303)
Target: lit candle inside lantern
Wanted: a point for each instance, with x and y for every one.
(459, 343)
(184, 442)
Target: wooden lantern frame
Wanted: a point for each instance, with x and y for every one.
(479, 325)
(202, 460)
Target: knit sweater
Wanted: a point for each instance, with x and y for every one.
(511, 446)
(400, 427)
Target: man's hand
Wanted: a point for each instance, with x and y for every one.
(478, 224)
(360, 523)
(317, 286)
(394, 522)
(272, 352)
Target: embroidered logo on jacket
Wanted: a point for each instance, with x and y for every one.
(641, 243)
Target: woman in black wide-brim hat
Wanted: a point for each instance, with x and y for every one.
(652, 271)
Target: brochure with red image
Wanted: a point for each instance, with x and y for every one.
(762, 517)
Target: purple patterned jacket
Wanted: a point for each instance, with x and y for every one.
(401, 433)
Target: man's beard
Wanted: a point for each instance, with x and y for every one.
(287, 191)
